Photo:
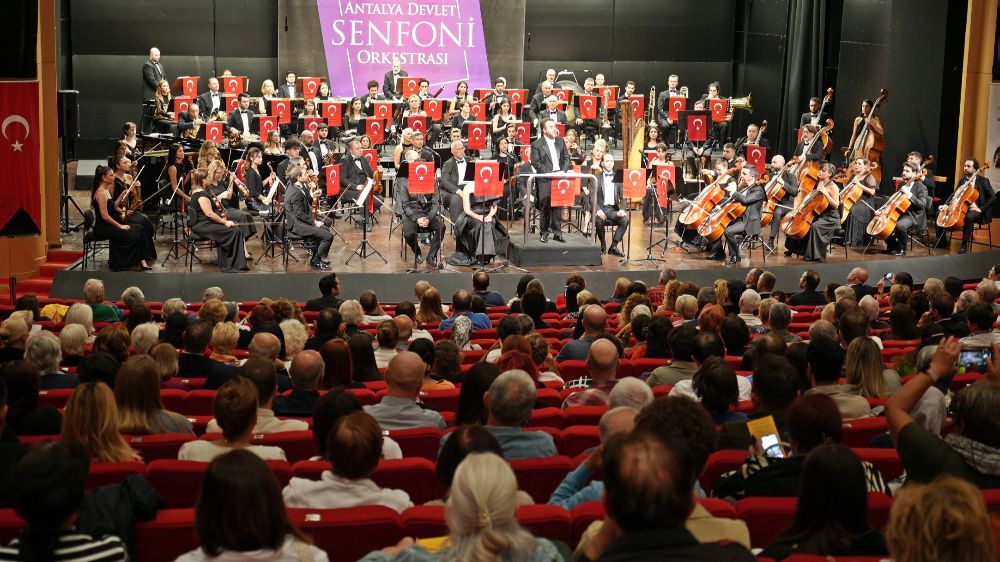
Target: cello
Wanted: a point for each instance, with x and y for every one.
(706, 200)
(868, 143)
(797, 223)
(884, 222)
(951, 216)
(723, 214)
(852, 191)
(774, 190)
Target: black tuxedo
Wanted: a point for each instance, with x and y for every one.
(368, 106)
(285, 91)
(417, 206)
(558, 117)
(298, 212)
(541, 161)
(753, 199)
(791, 190)
(184, 122)
(351, 176)
(915, 217)
(741, 145)
(389, 85)
(806, 119)
(152, 73)
(610, 211)
(985, 203)
(815, 154)
(536, 105)
(451, 183)
(205, 103)
(493, 101)
(235, 121)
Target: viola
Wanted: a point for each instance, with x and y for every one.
(952, 213)
(708, 198)
(797, 223)
(853, 191)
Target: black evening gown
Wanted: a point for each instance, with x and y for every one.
(473, 240)
(820, 234)
(139, 221)
(228, 240)
(127, 247)
(242, 218)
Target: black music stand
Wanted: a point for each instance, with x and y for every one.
(365, 248)
(663, 242)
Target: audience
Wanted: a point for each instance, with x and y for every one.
(137, 396)
(826, 359)
(683, 367)
(329, 289)
(481, 287)
(236, 405)
(193, 362)
(602, 364)
(772, 392)
(399, 408)
(808, 295)
(306, 372)
(630, 392)
(595, 320)
(91, 418)
(387, 337)
(577, 487)
(461, 303)
(509, 403)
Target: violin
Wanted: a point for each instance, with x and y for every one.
(130, 194)
(853, 191)
(706, 200)
(797, 223)
(951, 216)
(723, 214)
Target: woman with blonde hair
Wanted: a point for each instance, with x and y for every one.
(14, 336)
(481, 513)
(865, 371)
(225, 336)
(167, 366)
(621, 286)
(430, 310)
(91, 417)
(721, 292)
(941, 521)
(671, 291)
(140, 408)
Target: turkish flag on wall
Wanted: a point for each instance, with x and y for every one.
(422, 178)
(334, 113)
(332, 179)
(267, 124)
(283, 109)
(411, 85)
(375, 129)
(522, 132)
(588, 106)
(563, 193)
(487, 176)
(757, 155)
(433, 109)
(718, 108)
(665, 182)
(634, 183)
(21, 204)
(477, 135)
(697, 128)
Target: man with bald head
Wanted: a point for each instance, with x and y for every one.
(267, 346)
(856, 279)
(399, 408)
(461, 303)
(306, 373)
(595, 320)
(152, 73)
(791, 186)
(602, 362)
(453, 179)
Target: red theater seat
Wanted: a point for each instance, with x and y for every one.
(547, 417)
(583, 515)
(583, 415)
(104, 473)
(419, 442)
(348, 534)
(179, 482)
(200, 403)
(168, 536)
(540, 477)
(858, 433)
(766, 517)
(719, 463)
(155, 447)
(578, 439)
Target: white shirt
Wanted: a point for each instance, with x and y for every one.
(460, 166)
(376, 319)
(609, 189)
(215, 101)
(291, 91)
(332, 491)
(383, 356)
(266, 423)
(686, 388)
(205, 451)
(246, 122)
(420, 333)
(293, 550)
(315, 163)
(814, 118)
(553, 153)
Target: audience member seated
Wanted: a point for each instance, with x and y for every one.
(630, 392)
(509, 403)
(541, 356)
(602, 364)
(715, 385)
(72, 342)
(83, 315)
(866, 373)
(446, 367)
(24, 415)
(578, 487)
(461, 304)
(477, 382)
(749, 301)
(831, 518)
(826, 358)
(329, 325)
(707, 345)
(353, 315)
(329, 289)
(779, 317)
(595, 320)
(465, 440)
(238, 483)
(225, 336)
(533, 304)
(363, 368)
(735, 335)
(267, 346)
(44, 353)
(146, 335)
(329, 409)
(14, 333)
(980, 317)
(93, 295)
(137, 396)
(772, 392)
(306, 372)
(481, 287)
(681, 341)
(373, 313)
(165, 357)
(294, 338)
(430, 310)
(398, 408)
(236, 406)
(113, 340)
(193, 363)
(338, 365)
(808, 295)
(261, 374)
(387, 337)
(481, 513)
(354, 447)
(91, 418)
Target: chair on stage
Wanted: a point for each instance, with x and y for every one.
(91, 243)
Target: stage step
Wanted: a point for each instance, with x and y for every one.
(577, 250)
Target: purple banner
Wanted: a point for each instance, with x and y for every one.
(440, 40)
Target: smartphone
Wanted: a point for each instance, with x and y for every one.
(888, 277)
(975, 359)
(765, 429)
(772, 446)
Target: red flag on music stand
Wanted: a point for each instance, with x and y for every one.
(283, 109)
(181, 104)
(433, 108)
(478, 110)
(517, 97)
(665, 182)
(697, 128)
(634, 183)
(609, 94)
(488, 182)
(267, 124)
(234, 84)
(561, 93)
(798, 135)
(638, 106)
(190, 86)
(563, 193)
(477, 135)
(480, 93)
(310, 87)
(526, 153)
(310, 124)
(417, 122)
(422, 178)
(588, 106)
(522, 132)
(371, 155)
(757, 155)
(575, 182)
(718, 107)
(213, 132)
(650, 155)
(332, 179)
(232, 102)
(561, 128)
(411, 86)
(375, 129)
(334, 113)
(677, 103)
(383, 110)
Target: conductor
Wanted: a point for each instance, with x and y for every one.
(548, 155)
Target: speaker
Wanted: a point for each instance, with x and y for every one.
(69, 114)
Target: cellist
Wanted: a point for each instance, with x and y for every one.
(821, 233)
(914, 216)
(751, 196)
(860, 214)
(983, 203)
(689, 233)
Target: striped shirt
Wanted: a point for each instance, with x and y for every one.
(76, 547)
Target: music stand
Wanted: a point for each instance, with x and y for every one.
(365, 248)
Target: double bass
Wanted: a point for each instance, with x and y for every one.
(866, 142)
(852, 191)
(952, 213)
(706, 200)
(723, 214)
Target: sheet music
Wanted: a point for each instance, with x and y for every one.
(363, 196)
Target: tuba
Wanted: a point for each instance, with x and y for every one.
(739, 103)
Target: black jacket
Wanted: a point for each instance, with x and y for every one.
(116, 508)
(326, 301)
(677, 544)
(192, 365)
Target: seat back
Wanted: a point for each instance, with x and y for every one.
(583, 415)
(418, 442)
(540, 477)
(168, 536)
(179, 482)
(719, 463)
(104, 473)
(200, 403)
(55, 397)
(348, 534)
(582, 516)
(415, 476)
(859, 432)
(173, 399)
(298, 445)
(443, 400)
(578, 439)
(547, 417)
(155, 447)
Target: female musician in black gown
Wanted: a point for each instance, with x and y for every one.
(225, 192)
(355, 113)
(176, 174)
(257, 187)
(123, 179)
(861, 212)
(479, 237)
(129, 246)
(461, 94)
(817, 241)
(207, 218)
(652, 207)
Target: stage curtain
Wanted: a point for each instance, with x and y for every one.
(804, 58)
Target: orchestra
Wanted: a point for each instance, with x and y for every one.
(280, 173)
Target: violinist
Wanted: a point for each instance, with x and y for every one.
(653, 209)
(611, 207)
(273, 146)
(461, 94)
(751, 196)
(915, 216)
(817, 241)
(298, 210)
(223, 190)
(590, 126)
(257, 188)
(808, 132)
(497, 96)
(324, 145)
(177, 174)
(790, 184)
(128, 247)
(502, 118)
(208, 153)
(355, 173)
(163, 118)
(129, 141)
(312, 158)
(355, 113)
(860, 214)
(372, 97)
(129, 205)
(573, 147)
(208, 219)
(421, 211)
(979, 212)
(752, 138)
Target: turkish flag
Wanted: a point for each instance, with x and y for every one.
(665, 182)
(283, 109)
(798, 135)
(189, 86)
(411, 85)
(267, 124)
(576, 181)
(19, 166)
(433, 108)
(478, 110)
(561, 93)
(232, 102)
(181, 105)
(588, 106)
(488, 182)
(481, 93)
(638, 106)
(526, 153)
(609, 94)
(310, 123)
(310, 87)
(718, 107)
(383, 110)
(650, 155)
(561, 129)
(334, 113)
(477, 135)
(417, 122)
(233, 84)
(522, 132)
(371, 155)
(213, 132)
(634, 183)
(517, 97)
(375, 129)
(697, 128)
(676, 103)
(563, 193)
(757, 155)
(422, 178)
(332, 179)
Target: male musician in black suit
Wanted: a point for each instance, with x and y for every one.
(551, 112)
(287, 90)
(452, 180)
(152, 73)
(548, 155)
(980, 212)
(791, 183)
(629, 90)
(293, 150)
(211, 102)
(752, 197)
(915, 216)
(389, 81)
(752, 138)
(298, 210)
(590, 126)
(424, 152)
(816, 153)
(189, 122)
(537, 104)
(310, 152)
(355, 172)
(421, 211)
(494, 98)
(372, 97)
(926, 177)
(813, 116)
(242, 117)
(668, 127)
(610, 207)
(550, 77)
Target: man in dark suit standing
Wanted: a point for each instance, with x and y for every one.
(298, 209)
(609, 207)
(152, 73)
(452, 176)
(856, 280)
(814, 116)
(241, 118)
(210, 103)
(389, 81)
(750, 195)
(287, 90)
(548, 155)
(552, 112)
